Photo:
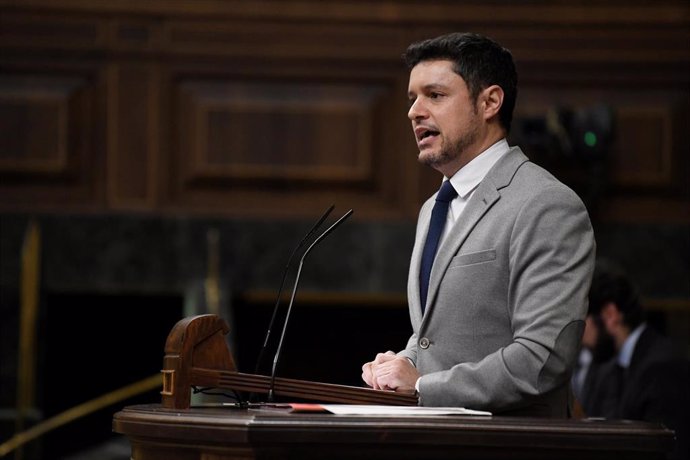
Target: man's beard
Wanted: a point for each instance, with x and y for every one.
(605, 347)
(451, 153)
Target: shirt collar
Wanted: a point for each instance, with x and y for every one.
(625, 355)
(470, 175)
(585, 357)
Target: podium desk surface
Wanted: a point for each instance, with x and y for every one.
(224, 433)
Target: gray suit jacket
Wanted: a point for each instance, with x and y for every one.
(507, 295)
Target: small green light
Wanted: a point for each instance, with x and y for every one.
(590, 139)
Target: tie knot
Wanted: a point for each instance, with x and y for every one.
(447, 192)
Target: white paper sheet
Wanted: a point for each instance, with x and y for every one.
(356, 409)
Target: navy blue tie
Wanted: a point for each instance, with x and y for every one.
(438, 221)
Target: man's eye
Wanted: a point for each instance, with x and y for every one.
(434, 95)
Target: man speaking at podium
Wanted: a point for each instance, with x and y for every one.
(504, 252)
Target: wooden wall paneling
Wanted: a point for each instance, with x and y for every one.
(135, 35)
(645, 162)
(391, 11)
(302, 63)
(50, 30)
(623, 51)
(643, 75)
(34, 116)
(50, 142)
(133, 136)
(281, 135)
(642, 153)
(278, 38)
(272, 131)
(257, 145)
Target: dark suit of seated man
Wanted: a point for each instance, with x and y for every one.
(646, 379)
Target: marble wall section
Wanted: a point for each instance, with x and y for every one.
(118, 253)
(147, 254)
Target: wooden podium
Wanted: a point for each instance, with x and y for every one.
(208, 433)
(196, 354)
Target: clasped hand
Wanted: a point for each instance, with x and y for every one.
(390, 372)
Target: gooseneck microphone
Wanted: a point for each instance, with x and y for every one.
(276, 358)
(282, 283)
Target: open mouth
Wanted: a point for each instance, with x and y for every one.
(424, 133)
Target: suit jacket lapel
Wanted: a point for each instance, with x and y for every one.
(484, 197)
(414, 297)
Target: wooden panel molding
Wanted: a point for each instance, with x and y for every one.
(48, 135)
(33, 125)
(133, 135)
(605, 32)
(241, 140)
(49, 147)
(389, 11)
(293, 40)
(31, 29)
(277, 131)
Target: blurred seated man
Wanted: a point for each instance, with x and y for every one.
(597, 349)
(645, 380)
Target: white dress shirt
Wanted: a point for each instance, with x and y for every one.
(468, 178)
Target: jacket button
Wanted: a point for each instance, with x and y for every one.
(424, 343)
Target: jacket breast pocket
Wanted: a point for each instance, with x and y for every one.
(473, 258)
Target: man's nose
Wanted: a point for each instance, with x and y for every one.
(417, 111)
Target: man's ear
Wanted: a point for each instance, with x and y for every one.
(491, 100)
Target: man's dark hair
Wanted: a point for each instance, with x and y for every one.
(611, 284)
(480, 61)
